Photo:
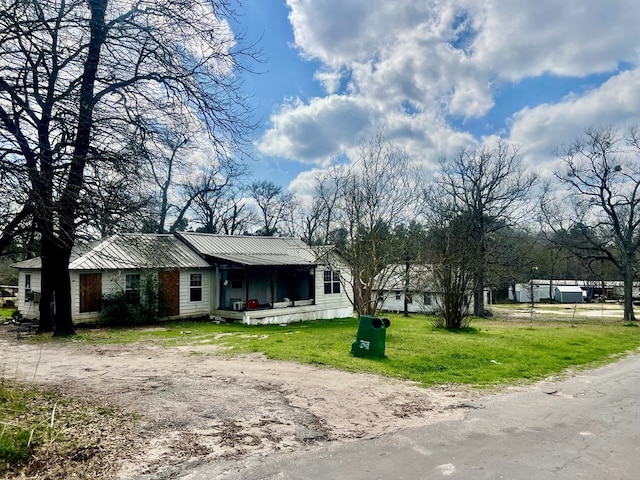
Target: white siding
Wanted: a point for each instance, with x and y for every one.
(113, 281)
(331, 300)
(28, 309)
(187, 307)
(75, 300)
(393, 304)
(523, 293)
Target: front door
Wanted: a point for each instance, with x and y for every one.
(90, 292)
(169, 293)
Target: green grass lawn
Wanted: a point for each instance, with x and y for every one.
(490, 352)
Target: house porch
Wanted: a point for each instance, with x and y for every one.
(303, 310)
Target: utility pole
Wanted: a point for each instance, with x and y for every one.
(406, 286)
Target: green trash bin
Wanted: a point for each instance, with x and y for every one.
(371, 337)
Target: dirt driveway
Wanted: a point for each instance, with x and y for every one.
(192, 405)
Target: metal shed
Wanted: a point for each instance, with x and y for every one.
(568, 294)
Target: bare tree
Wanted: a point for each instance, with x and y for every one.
(213, 183)
(166, 150)
(77, 76)
(323, 216)
(225, 211)
(448, 260)
(601, 218)
(378, 192)
(112, 202)
(491, 188)
(274, 204)
(312, 219)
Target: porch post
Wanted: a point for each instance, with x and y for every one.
(246, 286)
(293, 288)
(274, 275)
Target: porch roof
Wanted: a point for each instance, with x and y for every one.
(251, 251)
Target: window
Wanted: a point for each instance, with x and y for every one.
(397, 295)
(427, 298)
(235, 280)
(132, 288)
(331, 282)
(28, 297)
(195, 287)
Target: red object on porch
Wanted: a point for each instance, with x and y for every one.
(252, 303)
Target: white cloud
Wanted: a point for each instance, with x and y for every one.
(313, 132)
(304, 184)
(412, 66)
(570, 38)
(330, 80)
(544, 128)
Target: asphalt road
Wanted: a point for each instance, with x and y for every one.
(587, 427)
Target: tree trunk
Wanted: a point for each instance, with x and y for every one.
(478, 295)
(47, 283)
(64, 323)
(55, 301)
(479, 275)
(629, 315)
(56, 246)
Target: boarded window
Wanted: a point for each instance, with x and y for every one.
(90, 292)
(168, 293)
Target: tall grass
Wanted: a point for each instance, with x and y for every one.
(22, 424)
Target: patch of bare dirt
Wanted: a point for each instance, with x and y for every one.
(590, 311)
(188, 405)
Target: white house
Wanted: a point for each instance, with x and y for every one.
(251, 279)
(395, 283)
(422, 296)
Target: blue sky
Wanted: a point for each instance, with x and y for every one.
(438, 75)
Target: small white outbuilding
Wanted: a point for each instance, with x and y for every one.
(568, 294)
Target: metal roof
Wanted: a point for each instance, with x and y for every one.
(128, 251)
(185, 250)
(569, 288)
(394, 277)
(251, 251)
(30, 264)
(138, 250)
